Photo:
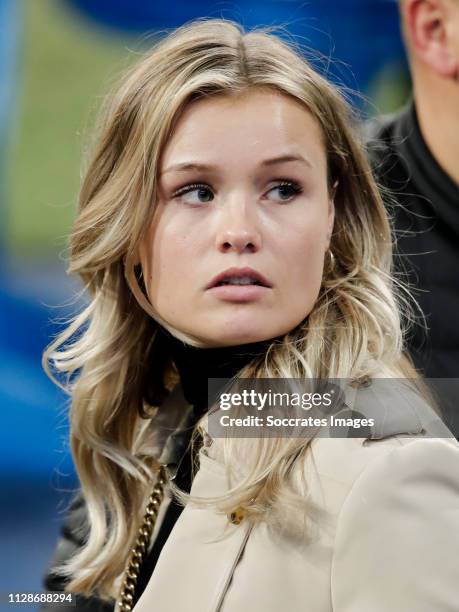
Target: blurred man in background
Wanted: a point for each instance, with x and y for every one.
(416, 155)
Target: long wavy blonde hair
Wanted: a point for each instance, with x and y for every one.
(107, 352)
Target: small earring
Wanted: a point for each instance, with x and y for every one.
(331, 264)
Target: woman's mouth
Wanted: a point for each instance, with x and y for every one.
(239, 285)
(241, 280)
(239, 276)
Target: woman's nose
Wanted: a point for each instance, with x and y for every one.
(238, 231)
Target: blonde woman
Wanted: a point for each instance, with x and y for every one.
(229, 225)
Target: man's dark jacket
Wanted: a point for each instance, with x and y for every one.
(426, 221)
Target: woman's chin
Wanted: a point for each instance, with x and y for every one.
(233, 335)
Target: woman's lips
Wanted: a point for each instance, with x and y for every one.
(241, 273)
(239, 293)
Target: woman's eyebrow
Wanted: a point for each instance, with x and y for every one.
(184, 166)
(290, 157)
(281, 159)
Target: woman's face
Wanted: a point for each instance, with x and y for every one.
(242, 199)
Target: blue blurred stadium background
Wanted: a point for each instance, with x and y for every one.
(57, 58)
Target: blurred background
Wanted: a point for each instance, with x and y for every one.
(57, 60)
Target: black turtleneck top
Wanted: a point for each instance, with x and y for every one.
(195, 366)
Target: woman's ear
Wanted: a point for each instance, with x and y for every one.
(428, 24)
(331, 214)
(137, 254)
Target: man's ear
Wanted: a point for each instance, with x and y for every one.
(427, 25)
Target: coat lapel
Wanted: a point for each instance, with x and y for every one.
(198, 560)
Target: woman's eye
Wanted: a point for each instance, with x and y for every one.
(287, 190)
(201, 193)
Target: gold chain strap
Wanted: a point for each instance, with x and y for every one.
(137, 554)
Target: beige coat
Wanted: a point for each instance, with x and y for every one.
(389, 541)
